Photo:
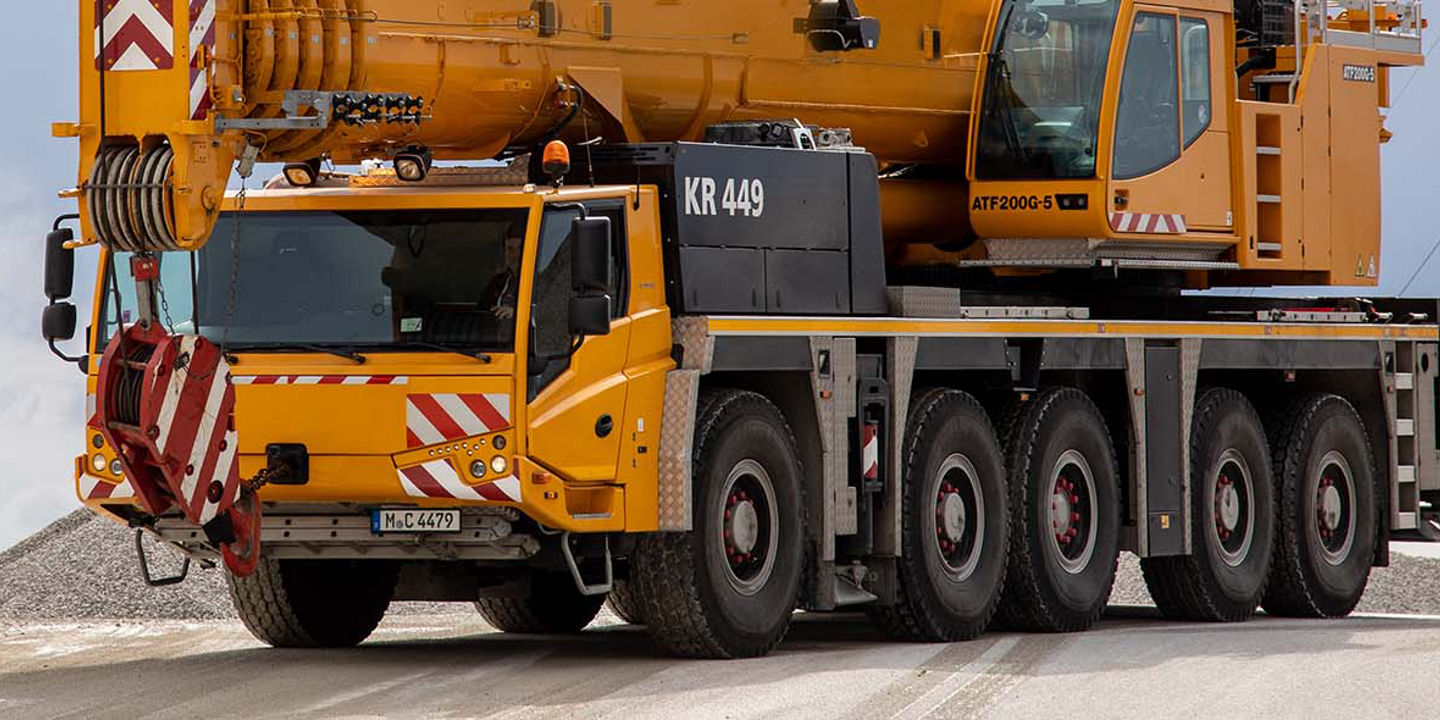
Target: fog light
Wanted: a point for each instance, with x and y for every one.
(115, 468)
(413, 164)
(98, 462)
(498, 464)
(477, 468)
(303, 174)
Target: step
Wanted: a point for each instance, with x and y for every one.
(1277, 79)
(1405, 474)
(1404, 428)
(1405, 381)
(1272, 199)
(1266, 150)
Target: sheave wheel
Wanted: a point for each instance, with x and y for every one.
(554, 605)
(313, 603)
(1326, 509)
(1064, 513)
(1232, 517)
(728, 588)
(956, 523)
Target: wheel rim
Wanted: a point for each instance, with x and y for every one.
(1072, 511)
(958, 524)
(1333, 493)
(748, 525)
(1230, 494)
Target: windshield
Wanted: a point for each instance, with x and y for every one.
(347, 279)
(1041, 108)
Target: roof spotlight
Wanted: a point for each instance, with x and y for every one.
(303, 174)
(413, 163)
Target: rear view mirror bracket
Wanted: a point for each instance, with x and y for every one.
(58, 321)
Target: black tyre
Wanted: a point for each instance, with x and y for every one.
(624, 604)
(728, 588)
(554, 605)
(1325, 509)
(1232, 510)
(1064, 513)
(313, 603)
(956, 523)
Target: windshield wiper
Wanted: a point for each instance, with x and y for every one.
(420, 344)
(340, 352)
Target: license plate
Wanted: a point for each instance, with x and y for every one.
(415, 521)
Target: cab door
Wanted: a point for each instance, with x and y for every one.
(577, 402)
(1170, 165)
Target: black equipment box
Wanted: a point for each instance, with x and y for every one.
(758, 230)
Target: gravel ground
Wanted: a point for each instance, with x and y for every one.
(82, 566)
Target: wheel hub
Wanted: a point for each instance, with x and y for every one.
(743, 526)
(1330, 506)
(1063, 515)
(952, 515)
(1227, 506)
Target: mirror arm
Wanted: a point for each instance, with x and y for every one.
(80, 361)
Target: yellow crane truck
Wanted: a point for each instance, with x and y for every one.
(756, 306)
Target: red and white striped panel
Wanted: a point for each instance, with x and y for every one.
(93, 488)
(197, 438)
(439, 479)
(322, 380)
(139, 35)
(432, 418)
(870, 452)
(1161, 223)
(202, 38)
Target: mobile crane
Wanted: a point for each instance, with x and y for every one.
(768, 304)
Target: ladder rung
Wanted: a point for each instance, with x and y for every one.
(1269, 247)
(1273, 199)
(1266, 150)
(1273, 79)
(1404, 381)
(1405, 474)
(1404, 428)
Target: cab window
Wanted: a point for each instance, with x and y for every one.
(1195, 77)
(1147, 121)
(550, 299)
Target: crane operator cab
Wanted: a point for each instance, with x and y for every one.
(1098, 140)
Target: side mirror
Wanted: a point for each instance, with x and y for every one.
(59, 265)
(58, 322)
(590, 315)
(590, 255)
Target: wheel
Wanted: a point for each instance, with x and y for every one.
(313, 603)
(1325, 509)
(1232, 510)
(1064, 513)
(728, 588)
(553, 606)
(624, 603)
(956, 523)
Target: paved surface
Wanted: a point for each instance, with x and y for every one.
(1133, 665)
(1416, 549)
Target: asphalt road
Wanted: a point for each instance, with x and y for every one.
(1133, 665)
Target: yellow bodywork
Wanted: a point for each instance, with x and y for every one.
(570, 478)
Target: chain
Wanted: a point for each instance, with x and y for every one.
(266, 474)
(164, 304)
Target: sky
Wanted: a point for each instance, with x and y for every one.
(42, 399)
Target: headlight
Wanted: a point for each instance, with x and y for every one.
(498, 464)
(98, 462)
(477, 468)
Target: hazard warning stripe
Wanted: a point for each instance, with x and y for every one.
(432, 418)
(202, 44)
(1157, 223)
(139, 35)
(439, 479)
(870, 454)
(202, 445)
(93, 488)
(321, 380)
